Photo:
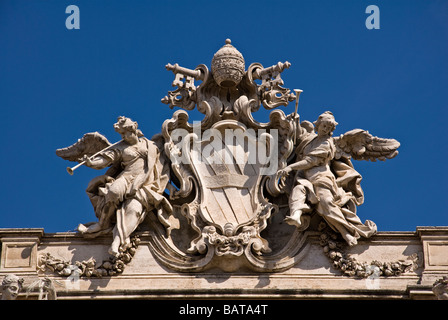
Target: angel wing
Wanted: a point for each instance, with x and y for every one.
(361, 145)
(89, 144)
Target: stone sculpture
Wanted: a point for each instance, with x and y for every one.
(440, 288)
(325, 177)
(229, 177)
(11, 286)
(46, 289)
(89, 268)
(131, 187)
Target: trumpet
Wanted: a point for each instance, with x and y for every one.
(297, 124)
(70, 170)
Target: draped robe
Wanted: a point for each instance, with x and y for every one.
(332, 186)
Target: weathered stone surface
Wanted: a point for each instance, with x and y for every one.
(315, 277)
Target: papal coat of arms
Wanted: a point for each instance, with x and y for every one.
(243, 193)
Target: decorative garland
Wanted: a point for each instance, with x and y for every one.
(87, 268)
(351, 267)
(329, 240)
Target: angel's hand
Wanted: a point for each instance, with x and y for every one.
(284, 172)
(87, 160)
(282, 175)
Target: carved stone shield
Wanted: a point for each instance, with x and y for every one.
(224, 170)
(229, 175)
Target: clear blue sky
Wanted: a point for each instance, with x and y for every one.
(57, 84)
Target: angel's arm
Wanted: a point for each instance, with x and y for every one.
(313, 159)
(97, 163)
(102, 160)
(306, 163)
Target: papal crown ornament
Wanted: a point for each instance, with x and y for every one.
(228, 66)
(228, 80)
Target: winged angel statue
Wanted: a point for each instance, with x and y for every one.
(130, 188)
(325, 179)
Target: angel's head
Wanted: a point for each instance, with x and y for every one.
(128, 130)
(325, 124)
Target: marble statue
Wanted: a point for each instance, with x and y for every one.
(132, 187)
(440, 288)
(11, 286)
(325, 177)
